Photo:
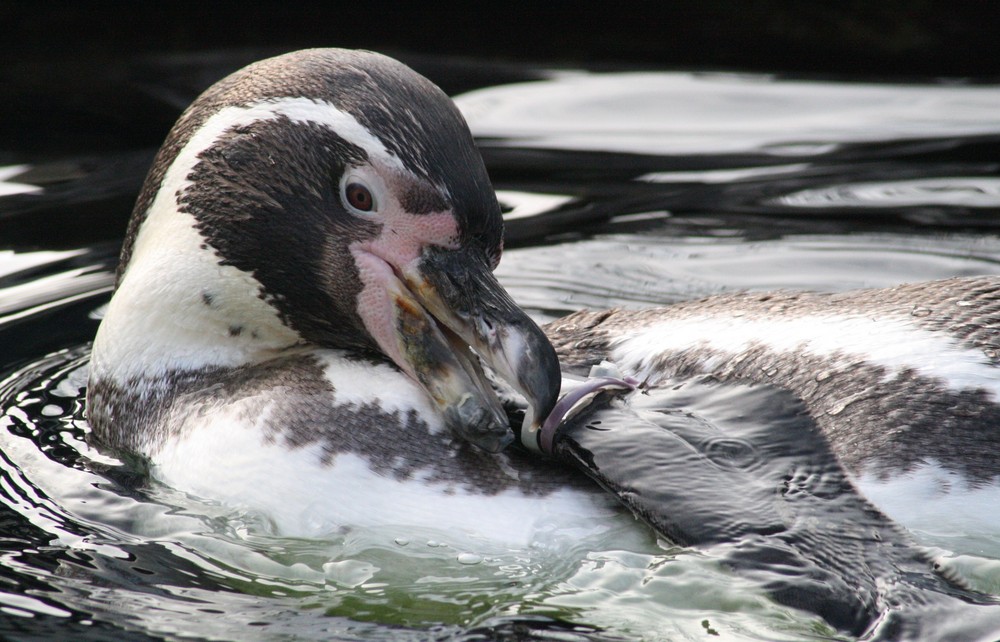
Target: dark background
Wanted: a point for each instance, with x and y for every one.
(884, 37)
(113, 75)
(89, 90)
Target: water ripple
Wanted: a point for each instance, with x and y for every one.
(712, 114)
(656, 269)
(952, 192)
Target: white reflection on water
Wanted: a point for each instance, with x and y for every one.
(701, 113)
(9, 187)
(723, 175)
(955, 192)
(525, 204)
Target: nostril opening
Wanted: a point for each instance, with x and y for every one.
(487, 330)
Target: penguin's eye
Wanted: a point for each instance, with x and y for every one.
(359, 197)
(361, 192)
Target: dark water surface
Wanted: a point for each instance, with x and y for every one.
(622, 188)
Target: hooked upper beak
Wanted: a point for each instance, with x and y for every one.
(458, 303)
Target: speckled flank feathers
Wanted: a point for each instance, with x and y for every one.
(895, 377)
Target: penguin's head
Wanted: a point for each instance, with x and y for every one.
(335, 199)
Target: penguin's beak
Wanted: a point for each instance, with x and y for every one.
(457, 303)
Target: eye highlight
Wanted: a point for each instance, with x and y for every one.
(359, 197)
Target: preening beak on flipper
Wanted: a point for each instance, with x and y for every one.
(460, 291)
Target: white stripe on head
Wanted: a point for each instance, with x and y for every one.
(307, 110)
(158, 319)
(299, 110)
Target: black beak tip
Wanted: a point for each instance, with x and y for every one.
(476, 425)
(541, 378)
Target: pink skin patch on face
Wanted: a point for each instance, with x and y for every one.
(400, 243)
(377, 300)
(404, 236)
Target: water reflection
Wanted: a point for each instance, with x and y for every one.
(616, 266)
(8, 181)
(951, 192)
(707, 114)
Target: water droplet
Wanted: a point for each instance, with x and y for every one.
(469, 558)
(920, 311)
(433, 543)
(51, 410)
(730, 453)
(822, 375)
(401, 541)
(964, 303)
(350, 573)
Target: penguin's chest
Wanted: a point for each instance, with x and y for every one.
(356, 444)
